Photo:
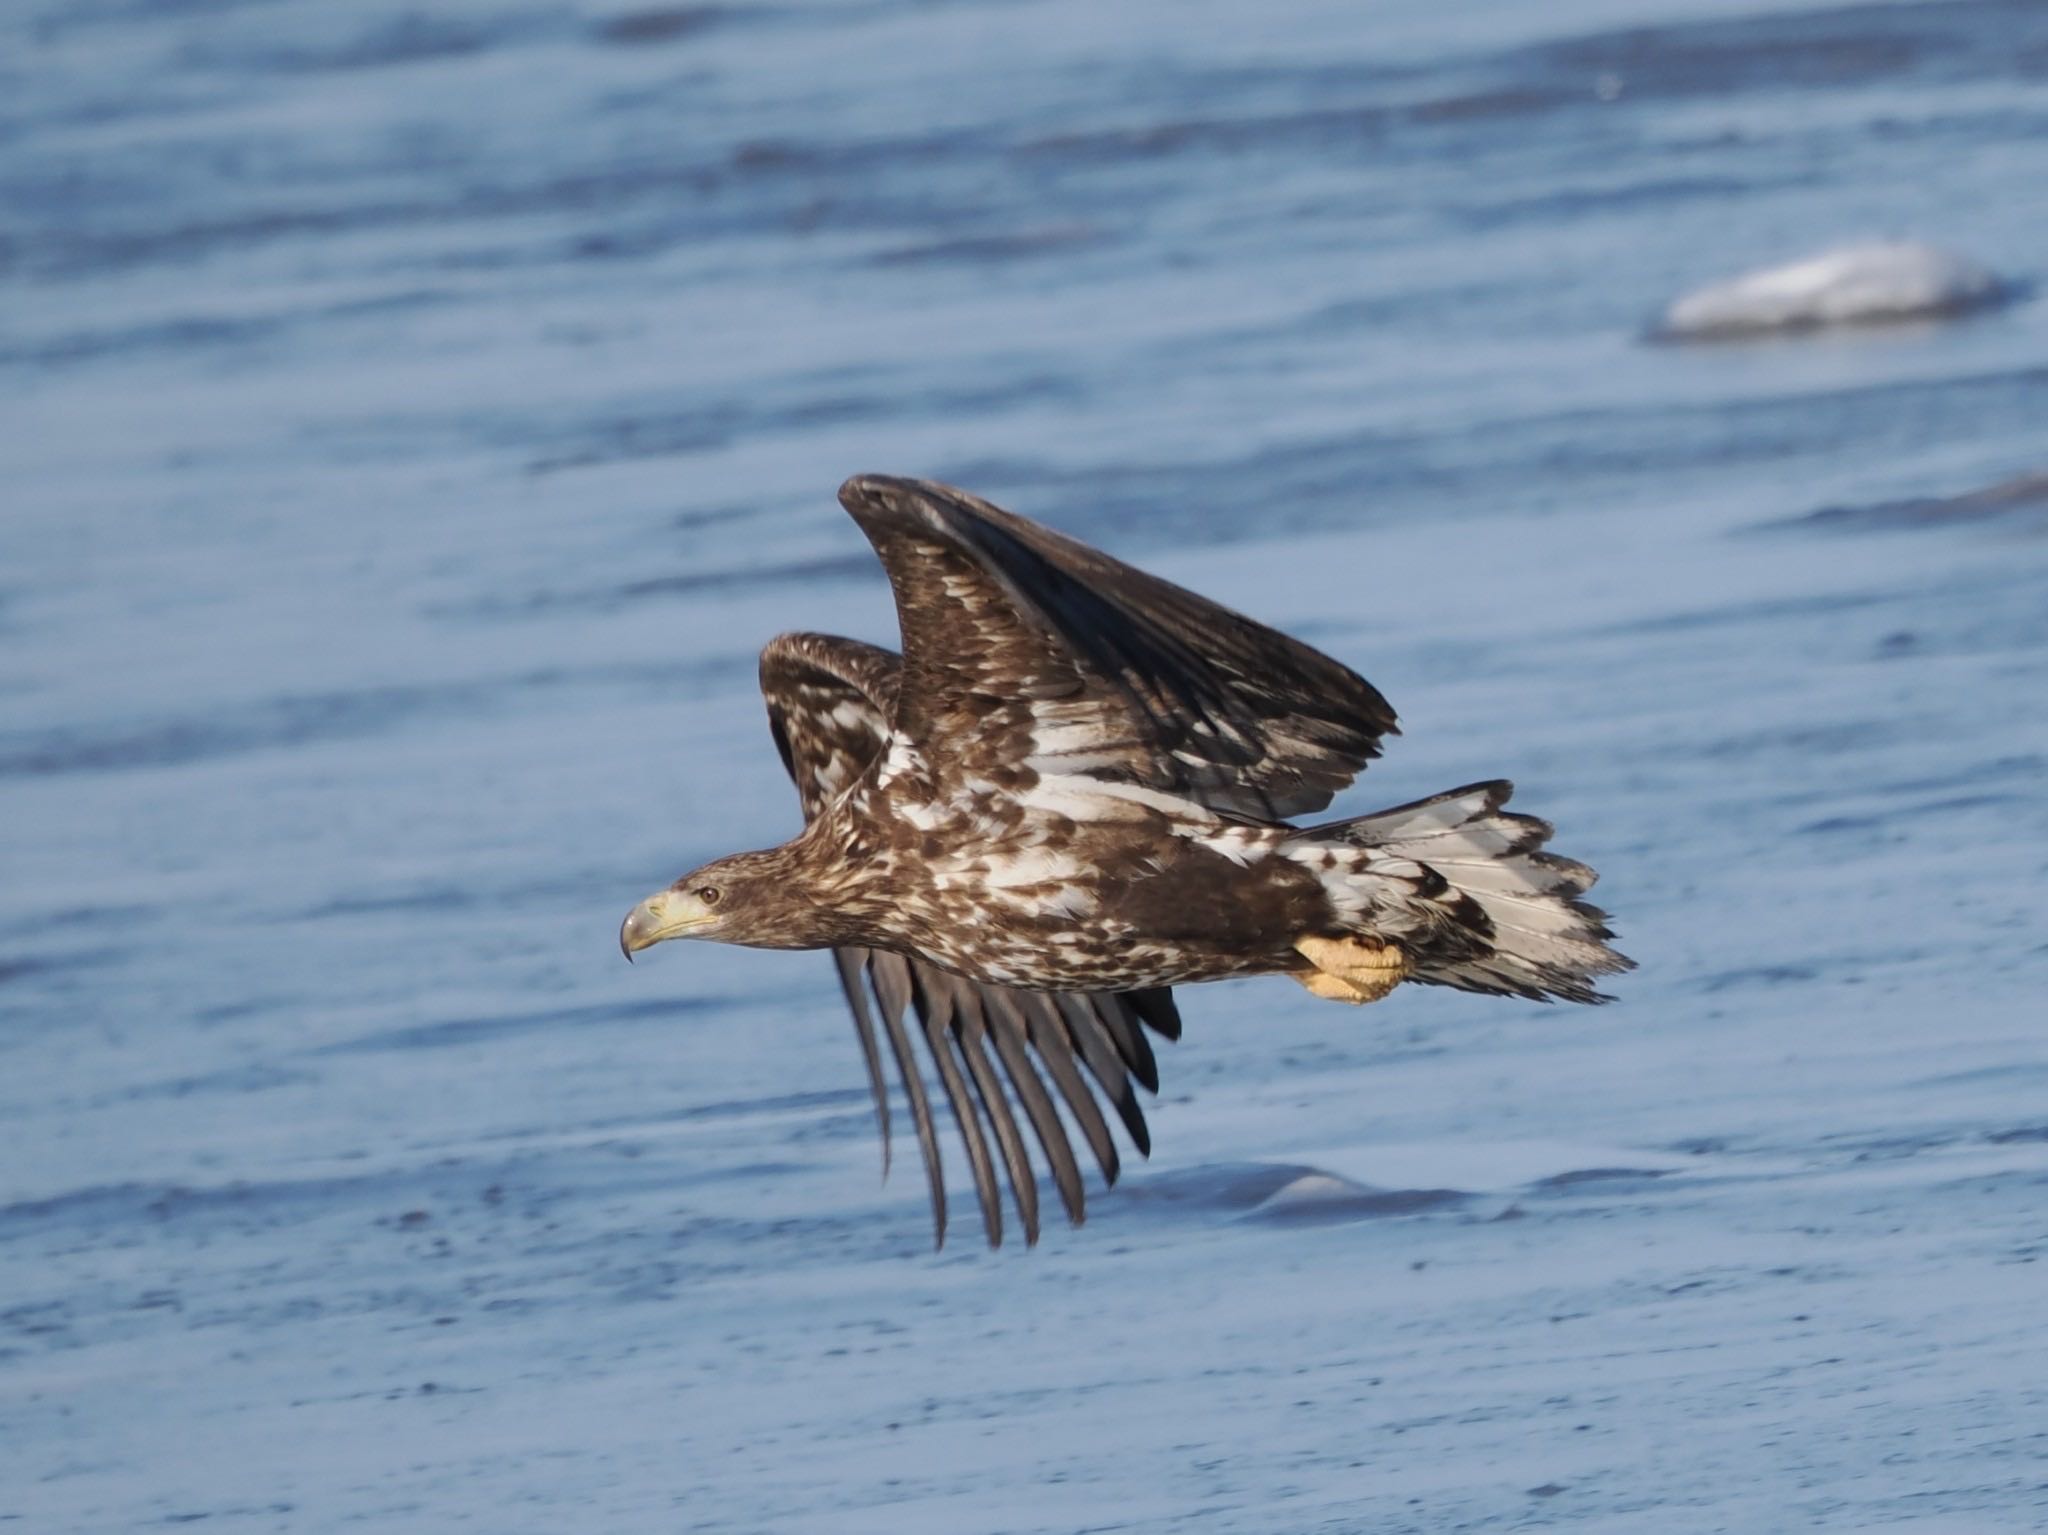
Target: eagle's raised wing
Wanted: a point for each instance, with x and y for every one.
(1022, 645)
(829, 702)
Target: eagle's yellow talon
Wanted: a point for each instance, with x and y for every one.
(1355, 970)
(1332, 988)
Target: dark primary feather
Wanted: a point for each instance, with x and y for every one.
(829, 706)
(1048, 1036)
(1010, 1038)
(1015, 626)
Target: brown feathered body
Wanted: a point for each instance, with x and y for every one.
(986, 885)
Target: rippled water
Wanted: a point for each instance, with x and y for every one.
(412, 422)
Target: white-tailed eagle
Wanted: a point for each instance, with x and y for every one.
(1073, 792)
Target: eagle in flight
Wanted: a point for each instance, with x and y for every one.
(1073, 791)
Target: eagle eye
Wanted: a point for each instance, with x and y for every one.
(709, 894)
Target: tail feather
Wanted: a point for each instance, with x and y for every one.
(1466, 889)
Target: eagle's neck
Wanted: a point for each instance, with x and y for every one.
(822, 888)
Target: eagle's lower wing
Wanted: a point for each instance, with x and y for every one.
(1021, 645)
(829, 701)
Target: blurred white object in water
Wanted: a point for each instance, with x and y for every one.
(1873, 283)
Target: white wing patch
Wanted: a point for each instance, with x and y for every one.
(924, 815)
(1067, 739)
(901, 758)
(1242, 845)
(1032, 866)
(1080, 798)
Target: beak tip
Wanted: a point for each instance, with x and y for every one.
(653, 920)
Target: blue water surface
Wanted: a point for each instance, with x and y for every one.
(413, 419)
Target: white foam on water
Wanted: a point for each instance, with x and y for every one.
(1875, 282)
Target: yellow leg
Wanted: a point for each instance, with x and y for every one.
(1355, 970)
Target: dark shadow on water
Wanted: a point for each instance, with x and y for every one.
(255, 1078)
(1757, 977)
(735, 1108)
(467, 1031)
(659, 25)
(2019, 505)
(995, 247)
(1584, 1175)
(790, 573)
(274, 722)
(1822, 48)
(306, 718)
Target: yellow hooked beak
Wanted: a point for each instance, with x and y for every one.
(665, 914)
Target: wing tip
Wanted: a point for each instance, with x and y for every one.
(857, 492)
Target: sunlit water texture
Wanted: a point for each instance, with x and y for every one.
(412, 422)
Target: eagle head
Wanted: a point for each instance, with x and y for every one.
(747, 898)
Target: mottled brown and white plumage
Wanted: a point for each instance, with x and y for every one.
(1071, 793)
